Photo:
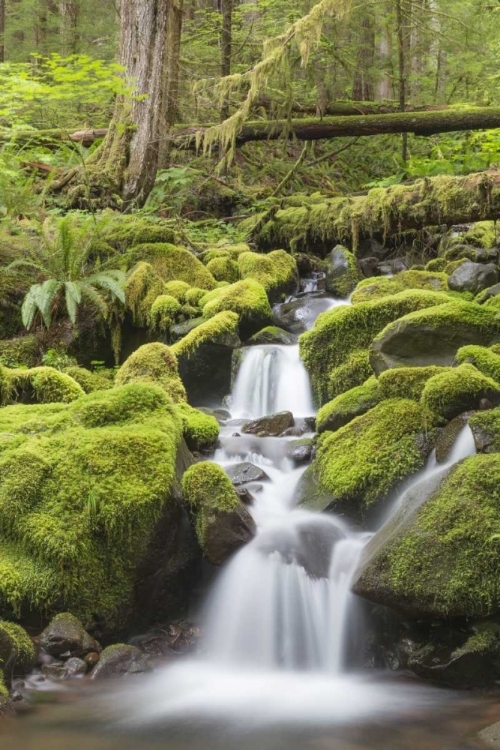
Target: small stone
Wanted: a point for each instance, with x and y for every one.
(92, 659)
(120, 661)
(76, 667)
(485, 404)
(300, 451)
(273, 425)
(245, 472)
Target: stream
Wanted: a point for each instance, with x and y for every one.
(284, 637)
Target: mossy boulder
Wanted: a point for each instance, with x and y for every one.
(440, 560)
(351, 373)
(342, 330)
(276, 272)
(458, 389)
(483, 358)
(142, 287)
(246, 298)
(271, 335)
(89, 381)
(66, 637)
(17, 651)
(358, 465)
(173, 263)
(342, 273)
(22, 351)
(407, 382)
(383, 286)
(124, 232)
(164, 312)
(485, 428)
(177, 289)
(223, 524)
(349, 405)
(433, 336)
(39, 385)
(482, 234)
(155, 364)
(84, 489)
(473, 277)
(200, 430)
(224, 268)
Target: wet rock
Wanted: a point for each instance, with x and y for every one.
(272, 425)
(245, 472)
(120, 661)
(448, 436)
(492, 291)
(76, 667)
(369, 267)
(227, 532)
(175, 638)
(295, 431)
(391, 267)
(341, 272)
(299, 315)
(92, 659)
(180, 330)
(300, 451)
(271, 335)
(59, 670)
(245, 495)
(307, 264)
(66, 636)
(473, 277)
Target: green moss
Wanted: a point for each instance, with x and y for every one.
(80, 497)
(89, 381)
(360, 463)
(4, 691)
(23, 351)
(153, 363)
(246, 298)
(40, 385)
(174, 263)
(445, 562)
(436, 264)
(452, 266)
(123, 232)
(224, 269)
(277, 271)
(342, 282)
(485, 426)
(142, 287)
(209, 491)
(187, 312)
(481, 234)
(271, 335)
(222, 326)
(339, 332)
(349, 405)
(351, 373)
(456, 390)
(382, 286)
(164, 312)
(200, 430)
(484, 359)
(16, 647)
(194, 295)
(177, 289)
(407, 382)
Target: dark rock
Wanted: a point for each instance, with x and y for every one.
(473, 277)
(390, 267)
(92, 659)
(310, 494)
(300, 451)
(76, 667)
(65, 635)
(369, 267)
(179, 330)
(226, 533)
(294, 431)
(372, 247)
(55, 671)
(307, 264)
(245, 472)
(485, 404)
(448, 435)
(206, 374)
(492, 291)
(273, 425)
(299, 315)
(245, 495)
(341, 273)
(271, 335)
(120, 661)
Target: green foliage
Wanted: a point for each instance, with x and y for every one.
(156, 364)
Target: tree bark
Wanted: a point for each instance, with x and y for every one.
(382, 212)
(226, 8)
(2, 31)
(68, 24)
(363, 88)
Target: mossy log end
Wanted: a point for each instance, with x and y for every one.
(389, 212)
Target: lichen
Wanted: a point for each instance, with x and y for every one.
(221, 326)
(277, 271)
(379, 287)
(153, 363)
(200, 430)
(173, 263)
(456, 390)
(164, 312)
(484, 359)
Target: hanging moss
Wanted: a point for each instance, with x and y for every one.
(200, 430)
(382, 286)
(224, 269)
(277, 271)
(351, 373)
(348, 405)
(342, 330)
(456, 390)
(142, 287)
(89, 381)
(246, 298)
(223, 327)
(164, 312)
(174, 263)
(177, 289)
(39, 385)
(156, 364)
(484, 359)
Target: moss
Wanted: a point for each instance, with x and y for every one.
(142, 287)
(452, 266)
(124, 232)
(23, 351)
(164, 312)
(200, 430)
(339, 332)
(177, 289)
(174, 263)
(360, 463)
(222, 326)
(194, 295)
(89, 381)
(246, 298)
(40, 385)
(209, 491)
(481, 234)
(277, 271)
(382, 286)
(344, 279)
(456, 390)
(484, 359)
(224, 249)
(16, 647)
(215, 253)
(485, 426)
(153, 363)
(407, 382)
(444, 563)
(351, 373)
(4, 691)
(187, 312)
(348, 405)
(436, 264)
(224, 269)
(80, 497)
(271, 335)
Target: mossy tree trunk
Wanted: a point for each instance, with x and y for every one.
(2, 31)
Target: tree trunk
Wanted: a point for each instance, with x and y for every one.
(428, 202)
(226, 8)
(363, 89)
(2, 31)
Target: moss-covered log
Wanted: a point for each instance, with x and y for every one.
(384, 211)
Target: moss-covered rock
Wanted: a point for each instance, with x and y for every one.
(40, 385)
(348, 405)
(221, 330)
(142, 287)
(351, 373)
(65, 635)
(436, 264)
(342, 273)
(481, 234)
(246, 298)
(22, 351)
(383, 286)
(178, 289)
(358, 465)
(194, 295)
(342, 330)
(89, 381)
(276, 272)
(164, 312)
(271, 335)
(407, 382)
(17, 652)
(200, 430)
(485, 427)
(156, 364)
(174, 263)
(456, 390)
(224, 268)
(223, 524)
(482, 358)
(441, 560)
(121, 660)
(433, 336)
(124, 232)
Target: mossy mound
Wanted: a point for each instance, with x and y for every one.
(341, 272)
(481, 234)
(345, 329)
(222, 329)
(174, 263)
(124, 232)
(485, 426)
(164, 312)
(271, 335)
(456, 390)
(82, 487)
(142, 287)
(277, 271)
(194, 295)
(156, 364)
(436, 264)
(23, 351)
(407, 382)
(351, 373)
(441, 560)
(246, 298)
(87, 380)
(16, 648)
(177, 289)
(40, 385)
(347, 406)
(433, 336)
(484, 359)
(382, 286)
(200, 430)
(359, 464)
(224, 268)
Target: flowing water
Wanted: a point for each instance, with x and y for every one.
(284, 633)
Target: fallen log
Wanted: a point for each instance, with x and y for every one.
(382, 212)
(349, 107)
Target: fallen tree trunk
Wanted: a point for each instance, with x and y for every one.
(351, 108)
(384, 212)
